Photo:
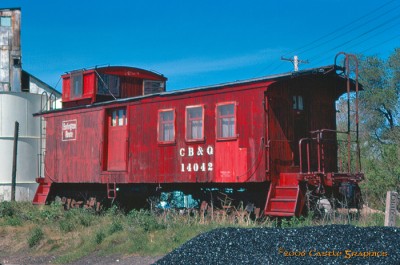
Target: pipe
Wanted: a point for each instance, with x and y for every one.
(14, 166)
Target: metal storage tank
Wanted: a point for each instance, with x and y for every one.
(19, 107)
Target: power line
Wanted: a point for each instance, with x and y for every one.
(359, 36)
(343, 27)
(350, 30)
(362, 41)
(376, 34)
(352, 26)
(379, 44)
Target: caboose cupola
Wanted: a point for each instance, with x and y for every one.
(88, 86)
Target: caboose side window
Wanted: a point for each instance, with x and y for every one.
(152, 87)
(166, 126)
(108, 84)
(226, 121)
(194, 123)
(76, 84)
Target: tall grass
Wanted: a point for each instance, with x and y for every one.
(72, 234)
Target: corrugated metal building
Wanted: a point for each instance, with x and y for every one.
(21, 95)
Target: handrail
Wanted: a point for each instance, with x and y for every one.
(347, 72)
(43, 107)
(53, 100)
(308, 155)
(320, 140)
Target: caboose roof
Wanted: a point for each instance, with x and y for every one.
(276, 77)
(121, 71)
(331, 70)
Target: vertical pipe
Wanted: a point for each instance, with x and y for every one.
(348, 115)
(321, 138)
(300, 157)
(308, 157)
(319, 152)
(357, 120)
(40, 148)
(43, 107)
(340, 158)
(14, 166)
(266, 129)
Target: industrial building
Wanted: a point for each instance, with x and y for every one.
(21, 95)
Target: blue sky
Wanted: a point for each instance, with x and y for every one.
(196, 43)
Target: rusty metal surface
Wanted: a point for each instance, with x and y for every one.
(10, 50)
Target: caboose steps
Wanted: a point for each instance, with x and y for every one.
(42, 192)
(285, 191)
(284, 198)
(280, 214)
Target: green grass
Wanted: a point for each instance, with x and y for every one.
(71, 235)
(35, 237)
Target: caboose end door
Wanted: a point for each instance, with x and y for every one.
(300, 125)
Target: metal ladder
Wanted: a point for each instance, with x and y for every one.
(111, 190)
(47, 102)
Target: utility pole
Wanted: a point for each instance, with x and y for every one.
(295, 62)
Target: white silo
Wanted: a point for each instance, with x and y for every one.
(19, 107)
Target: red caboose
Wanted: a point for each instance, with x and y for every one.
(268, 140)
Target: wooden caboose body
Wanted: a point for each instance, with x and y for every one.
(121, 138)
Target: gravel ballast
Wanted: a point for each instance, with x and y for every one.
(332, 244)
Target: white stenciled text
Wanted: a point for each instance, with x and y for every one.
(198, 151)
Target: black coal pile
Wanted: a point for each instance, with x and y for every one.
(333, 244)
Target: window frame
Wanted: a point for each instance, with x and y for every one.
(148, 88)
(160, 141)
(73, 76)
(296, 103)
(202, 123)
(217, 121)
(108, 84)
(117, 117)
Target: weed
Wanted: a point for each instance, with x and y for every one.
(36, 236)
(375, 219)
(67, 226)
(113, 211)
(86, 218)
(116, 226)
(6, 209)
(100, 235)
(54, 212)
(14, 221)
(145, 220)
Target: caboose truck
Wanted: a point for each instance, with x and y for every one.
(271, 141)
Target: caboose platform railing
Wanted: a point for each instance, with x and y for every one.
(327, 139)
(312, 152)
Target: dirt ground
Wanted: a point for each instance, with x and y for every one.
(88, 260)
